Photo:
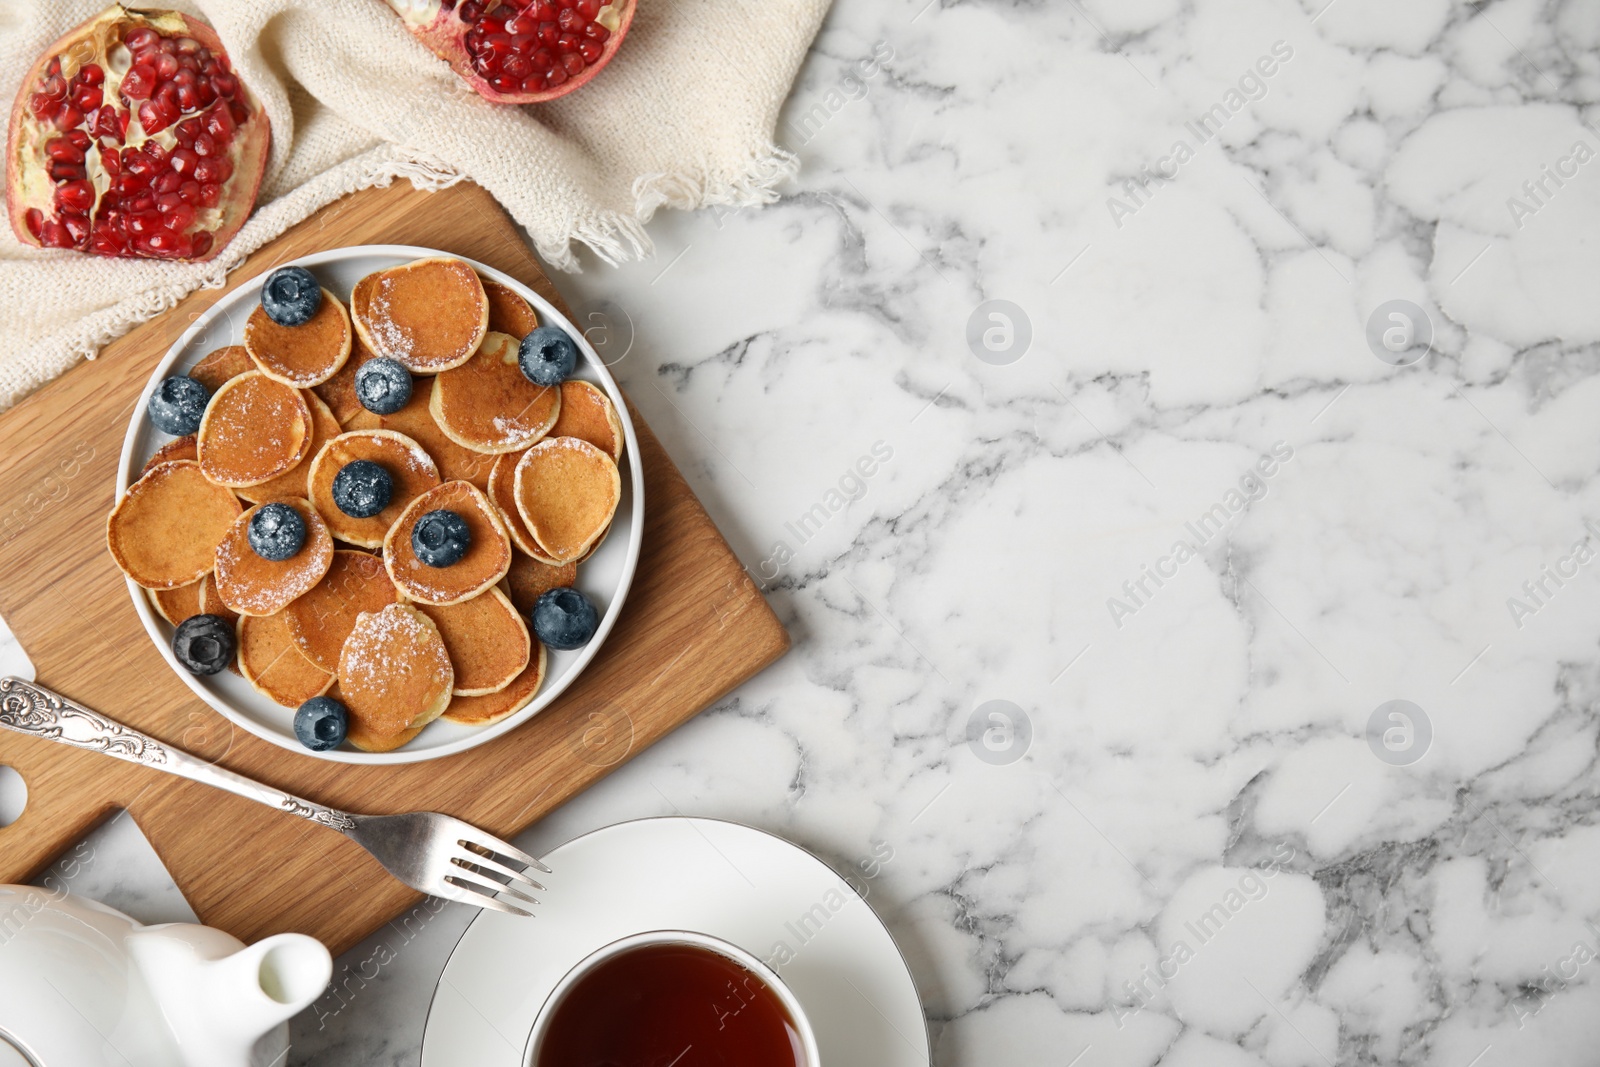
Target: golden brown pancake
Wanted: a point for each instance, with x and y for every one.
(164, 531)
(492, 707)
(251, 585)
(588, 414)
(339, 392)
(487, 640)
(254, 429)
(178, 603)
(488, 405)
(430, 314)
(367, 741)
(502, 494)
(394, 672)
(508, 312)
(221, 365)
(529, 579)
(211, 603)
(320, 620)
(304, 355)
(409, 467)
(177, 448)
(270, 662)
(486, 562)
(296, 481)
(416, 422)
(566, 491)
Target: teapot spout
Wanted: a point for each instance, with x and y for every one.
(264, 985)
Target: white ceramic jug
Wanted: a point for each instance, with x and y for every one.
(83, 985)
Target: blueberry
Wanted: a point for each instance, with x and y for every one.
(547, 356)
(203, 644)
(564, 619)
(277, 532)
(320, 723)
(291, 296)
(362, 489)
(177, 405)
(383, 386)
(440, 538)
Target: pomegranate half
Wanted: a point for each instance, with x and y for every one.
(520, 51)
(132, 136)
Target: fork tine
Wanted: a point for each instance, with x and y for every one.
(482, 897)
(489, 864)
(463, 865)
(494, 844)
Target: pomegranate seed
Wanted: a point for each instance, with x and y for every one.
(201, 244)
(157, 153)
(596, 33)
(534, 83)
(88, 97)
(68, 117)
(224, 84)
(183, 160)
(565, 3)
(188, 45)
(180, 217)
(570, 20)
(41, 106)
(63, 149)
(145, 202)
(543, 11)
(240, 113)
(54, 88)
(549, 33)
(188, 98)
(75, 196)
(166, 65)
(144, 222)
(556, 77)
(505, 83)
(169, 46)
(517, 66)
(163, 241)
(499, 42)
(573, 63)
(54, 66)
(166, 203)
(185, 77)
(205, 93)
(590, 51)
(474, 41)
(543, 60)
(206, 171)
(106, 244)
(523, 23)
(220, 125)
(105, 124)
(141, 37)
(487, 64)
(189, 192)
(131, 184)
(168, 182)
(139, 82)
(567, 43)
(64, 172)
(210, 194)
(77, 226)
(187, 130)
(92, 75)
(471, 11)
(151, 118)
(54, 235)
(34, 219)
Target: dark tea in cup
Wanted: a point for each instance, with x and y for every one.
(671, 998)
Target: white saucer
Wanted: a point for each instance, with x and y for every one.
(719, 878)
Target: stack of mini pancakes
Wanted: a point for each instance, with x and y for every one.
(355, 614)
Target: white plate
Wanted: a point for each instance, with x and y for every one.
(718, 878)
(604, 577)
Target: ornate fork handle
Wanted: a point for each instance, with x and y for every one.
(37, 712)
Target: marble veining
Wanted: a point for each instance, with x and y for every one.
(1213, 651)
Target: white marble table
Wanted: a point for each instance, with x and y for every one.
(1195, 505)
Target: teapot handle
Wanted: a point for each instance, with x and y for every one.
(38, 712)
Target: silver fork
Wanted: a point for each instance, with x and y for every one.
(431, 853)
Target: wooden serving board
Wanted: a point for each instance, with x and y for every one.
(693, 628)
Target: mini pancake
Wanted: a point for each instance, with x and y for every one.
(529, 579)
(430, 314)
(364, 739)
(254, 429)
(492, 707)
(394, 672)
(164, 531)
(339, 392)
(588, 414)
(502, 494)
(296, 481)
(270, 662)
(177, 448)
(304, 355)
(320, 620)
(177, 604)
(567, 491)
(456, 463)
(410, 468)
(487, 640)
(486, 562)
(221, 365)
(488, 405)
(508, 312)
(251, 585)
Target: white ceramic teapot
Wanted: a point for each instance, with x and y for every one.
(83, 985)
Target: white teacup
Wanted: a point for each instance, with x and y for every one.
(791, 1005)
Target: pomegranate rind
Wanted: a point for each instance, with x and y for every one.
(28, 182)
(443, 32)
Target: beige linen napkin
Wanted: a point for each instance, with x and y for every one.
(682, 117)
